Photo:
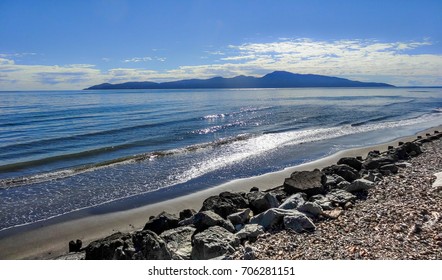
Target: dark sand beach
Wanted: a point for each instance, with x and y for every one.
(369, 219)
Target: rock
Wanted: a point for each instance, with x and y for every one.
(213, 242)
(254, 189)
(294, 201)
(75, 246)
(375, 163)
(392, 168)
(331, 182)
(348, 173)
(104, 249)
(412, 149)
(340, 197)
(309, 182)
(179, 242)
(259, 201)
(359, 185)
(333, 214)
(240, 217)
(280, 194)
(224, 204)
(207, 219)
(352, 162)
(373, 177)
(149, 246)
(323, 201)
(299, 223)
(162, 222)
(272, 217)
(249, 253)
(344, 184)
(186, 213)
(250, 232)
(403, 164)
(310, 209)
(400, 153)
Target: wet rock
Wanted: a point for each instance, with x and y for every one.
(299, 223)
(348, 173)
(240, 217)
(352, 162)
(309, 182)
(179, 242)
(250, 232)
(359, 185)
(213, 242)
(224, 204)
(149, 246)
(294, 201)
(260, 201)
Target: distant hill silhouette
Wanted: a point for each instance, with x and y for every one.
(277, 79)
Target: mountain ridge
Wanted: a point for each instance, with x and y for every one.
(276, 79)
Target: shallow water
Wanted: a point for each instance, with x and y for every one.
(62, 151)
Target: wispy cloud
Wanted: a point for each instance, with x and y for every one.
(399, 63)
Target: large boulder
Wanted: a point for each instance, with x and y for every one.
(240, 217)
(309, 182)
(224, 204)
(149, 246)
(271, 217)
(104, 249)
(412, 149)
(294, 201)
(352, 162)
(359, 185)
(299, 223)
(162, 222)
(260, 202)
(250, 232)
(206, 219)
(213, 242)
(179, 242)
(348, 173)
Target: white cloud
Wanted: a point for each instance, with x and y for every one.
(399, 63)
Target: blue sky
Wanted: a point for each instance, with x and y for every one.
(75, 44)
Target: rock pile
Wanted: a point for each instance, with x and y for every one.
(229, 223)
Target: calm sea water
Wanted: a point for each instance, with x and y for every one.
(66, 150)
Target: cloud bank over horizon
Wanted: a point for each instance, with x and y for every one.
(398, 63)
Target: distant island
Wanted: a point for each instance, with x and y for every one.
(277, 79)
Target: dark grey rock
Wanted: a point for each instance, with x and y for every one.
(412, 149)
(323, 201)
(186, 213)
(213, 242)
(359, 185)
(344, 184)
(162, 222)
(310, 209)
(391, 168)
(104, 249)
(299, 223)
(309, 182)
(240, 217)
(376, 162)
(260, 201)
(206, 219)
(254, 189)
(225, 203)
(294, 201)
(250, 232)
(149, 246)
(272, 217)
(340, 197)
(348, 173)
(352, 162)
(179, 242)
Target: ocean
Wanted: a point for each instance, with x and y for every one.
(62, 151)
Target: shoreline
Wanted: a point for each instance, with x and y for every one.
(49, 239)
